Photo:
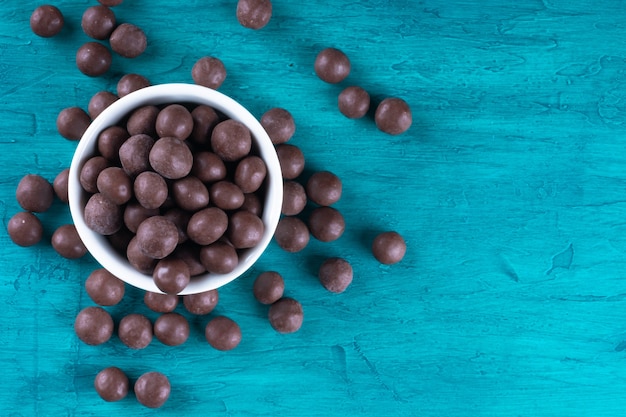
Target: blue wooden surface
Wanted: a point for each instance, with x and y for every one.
(509, 189)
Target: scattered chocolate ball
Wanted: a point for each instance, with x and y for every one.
(174, 120)
(25, 229)
(161, 303)
(130, 83)
(226, 195)
(294, 198)
(279, 125)
(223, 333)
(292, 234)
(102, 215)
(171, 157)
(150, 189)
(128, 40)
(291, 160)
(152, 389)
(268, 287)
(209, 72)
(208, 167)
(354, 102)
(46, 21)
(190, 194)
(324, 188)
(93, 59)
(335, 274)
(201, 303)
(135, 331)
(231, 140)
(254, 14)
(93, 325)
(111, 384)
(98, 22)
(389, 248)
(326, 224)
(171, 329)
(135, 154)
(207, 226)
(139, 260)
(245, 230)
(135, 214)
(100, 101)
(171, 275)
(104, 288)
(143, 120)
(205, 118)
(332, 65)
(250, 174)
(393, 116)
(34, 193)
(219, 258)
(67, 243)
(60, 185)
(115, 185)
(286, 315)
(89, 172)
(72, 123)
(157, 237)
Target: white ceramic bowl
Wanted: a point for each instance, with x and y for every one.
(98, 245)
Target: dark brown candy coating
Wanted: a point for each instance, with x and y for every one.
(226, 195)
(292, 234)
(135, 153)
(201, 303)
(219, 257)
(161, 303)
(171, 275)
(250, 174)
(152, 389)
(190, 194)
(121, 239)
(93, 59)
(335, 274)
(102, 215)
(130, 83)
(157, 237)
(93, 325)
(389, 248)
(279, 125)
(324, 188)
(128, 40)
(175, 121)
(393, 116)
(90, 171)
(171, 158)
(354, 102)
(60, 185)
(25, 229)
(286, 315)
(207, 226)
(98, 22)
(326, 224)
(223, 333)
(143, 120)
(46, 21)
(205, 118)
(294, 198)
(135, 213)
(231, 140)
(100, 101)
(72, 122)
(104, 288)
(181, 219)
(245, 230)
(291, 160)
(135, 331)
(110, 140)
(209, 72)
(268, 287)
(150, 189)
(115, 185)
(140, 261)
(111, 384)
(34, 193)
(189, 252)
(332, 65)
(252, 203)
(67, 243)
(208, 167)
(171, 329)
(254, 14)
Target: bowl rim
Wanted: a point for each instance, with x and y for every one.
(160, 94)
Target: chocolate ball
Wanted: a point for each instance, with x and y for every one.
(335, 274)
(254, 14)
(326, 224)
(93, 325)
(286, 315)
(130, 83)
(205, 119)
(223, 333)
(245, 230)
(102, 215)
(111, 384)
(209, 72)
(219, 258)
(174, 120)
(252, 203)
(171, 275)
(135, 331)
(181, 219)
(25, 229)
(250, 174)
(120, 240)
(332, 65)
(208, 167)
(135, 154)
(100, 101)
(226, 195)
(67, 243)
(294, 198)
(189, 252)
(231, 140)
(291, 160)
(292, 235)
(354, 102)
(190, 194)
(279, 125)
(98, 22)
(90, 171)
(161, 303)
(171, 158)
(34, 193)
(115, 185)
(135, 213)
(139, 260)
(201, 303)
(324, 188)
(72, 123)
(171, 329)
(157, 237)
(152, 389)
(46, 21)
(268, 287)
(110, 140)
(104, 288)
(150, 189)
(143, 120)
(60, 185)
(128, 40)
(93, 59)
(207, 226)
(393, 116)
(389, 248)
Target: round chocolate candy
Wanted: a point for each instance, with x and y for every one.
(219, 258)
(389, 248)
(110, 140)
(393, 116)
(205, 119)
(201, 303)
(354, 102)
(104, 288)
(335, 274)
(152, 389)
(171, 158)
(130, 83)
(60, 185)
(90, 171)
(207, 226)
(135, 213)
(279, 125)
(140, 261)
(111, 384)
(135, 153)
(157, 237)
(135, 331)
(102, 215)
(143, 120)
(150, 189)
(294, 198)
(34, 193)
(223, 333)
(231, 140)
(332, 65)
(98, 22)
(190, 193)
(252, 203)
(226, 195)
(286, 315)
(209, 72)
(128, 40)
(181, 219)
(245, 230)
(120, 239)
(254, 14)
(268, 287)
(291, 160)
(324, 188)
(161, 303)
(250, 174)
(115, 185)
(46, 21)
(208, 167)
(25, 229)
(72, 123)
(171, 275)
(100, 101)
(189, 252)
(175, 121)
(326, 224)
(292, 234)
(93, 59)
(67, 243)
(171, 329)
(93, 325)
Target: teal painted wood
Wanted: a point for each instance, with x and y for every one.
(509, 189)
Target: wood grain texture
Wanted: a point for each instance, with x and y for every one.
(509, 189)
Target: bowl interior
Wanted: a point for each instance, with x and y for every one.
(99, 246)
